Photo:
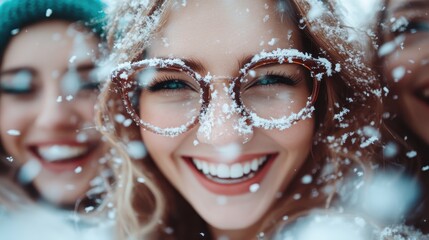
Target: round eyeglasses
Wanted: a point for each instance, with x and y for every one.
(273, 90)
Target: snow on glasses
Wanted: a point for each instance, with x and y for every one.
(273, 90)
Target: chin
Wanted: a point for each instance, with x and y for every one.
(61, 193)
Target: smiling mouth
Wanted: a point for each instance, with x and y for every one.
(61, 153)
(231, 174)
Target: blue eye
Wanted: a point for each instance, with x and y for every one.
(419, 26)
(412, 27)
(90, 86)
(274, 79)
(168, 85)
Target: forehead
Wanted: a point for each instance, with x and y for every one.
(49, 44)
(213, 29)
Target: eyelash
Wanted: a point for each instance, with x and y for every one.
(287, 79)
(90, 86)
(158, 84)
(15, 91)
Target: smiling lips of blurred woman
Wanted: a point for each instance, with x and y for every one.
(51, 126)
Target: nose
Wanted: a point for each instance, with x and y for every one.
(223, 124)
(56, 112)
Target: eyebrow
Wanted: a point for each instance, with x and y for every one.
(85, 67)
(244, 60)
(195, 64)
(411, 5)
(199, 67)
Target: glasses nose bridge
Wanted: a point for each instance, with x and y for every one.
(222, 88)
(221, 79)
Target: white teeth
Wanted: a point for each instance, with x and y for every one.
(223, 171)
(213, 170)
(254, 165)
(198, 164)
(205, 168)
(56, 153)
(246, 168)
(235, 171)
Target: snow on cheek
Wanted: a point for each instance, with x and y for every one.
(398, 73)
(165, 42)
(390, 150)
(386, 49)
(70, 83)
(389, 47)
(273, 41)
(13, 132)
(266, 17)
(82, 137)
(254, 187)
(29, 171)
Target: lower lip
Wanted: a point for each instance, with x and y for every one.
(66, 165)
(236, 188)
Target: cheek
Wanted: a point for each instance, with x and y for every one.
(13, 113)
(160, 148)
(398, 68)
(14, 121)
(85, 108)
(297, 139)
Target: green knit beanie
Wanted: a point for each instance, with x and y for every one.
(17, 14)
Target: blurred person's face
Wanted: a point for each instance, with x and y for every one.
(406, 61)
(48, 92)
(231, 184)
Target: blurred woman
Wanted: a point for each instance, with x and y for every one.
(402, 59)
(48, 88)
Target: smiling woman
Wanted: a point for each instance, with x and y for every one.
(47, 94)
(403, 59)
(246, 109)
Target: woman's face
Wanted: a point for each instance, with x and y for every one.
(46, 109)
(406, 60)
(218, 35)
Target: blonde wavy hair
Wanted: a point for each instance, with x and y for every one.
(154, 208)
